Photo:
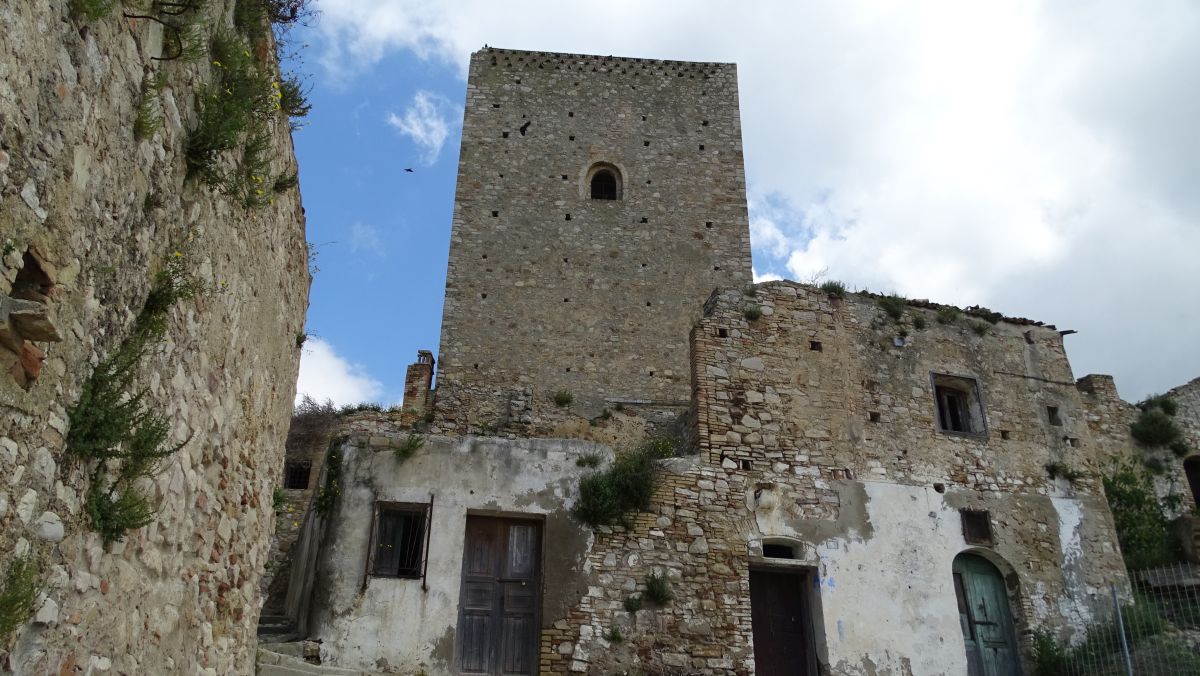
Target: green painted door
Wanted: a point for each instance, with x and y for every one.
(985, 618)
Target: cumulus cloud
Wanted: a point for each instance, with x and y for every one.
(997, 153)
(324, 374)
(426, 121)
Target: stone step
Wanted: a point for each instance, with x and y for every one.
(271, 663)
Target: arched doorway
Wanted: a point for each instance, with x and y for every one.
(1191, 467)
(985, 617)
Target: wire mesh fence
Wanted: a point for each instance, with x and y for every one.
(1156, 633)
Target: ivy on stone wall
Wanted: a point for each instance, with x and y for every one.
(328, 493)
(114, 428)
(1142, 527)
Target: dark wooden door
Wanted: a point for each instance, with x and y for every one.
(501, 594)
(985, 618)
(778, 613)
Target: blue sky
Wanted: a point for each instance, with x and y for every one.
(1039, 159)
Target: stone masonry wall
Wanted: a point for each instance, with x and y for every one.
(791, 450)
(1109, 419)
(548, 289)
(104, 209)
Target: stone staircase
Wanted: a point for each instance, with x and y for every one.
(275, 629)
(286, 659)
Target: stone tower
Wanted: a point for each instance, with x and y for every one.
(600, 200)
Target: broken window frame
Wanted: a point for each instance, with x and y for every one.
(422, 513)
(972, 520)
(957, 399)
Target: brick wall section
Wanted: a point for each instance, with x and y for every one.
(599, 305)
(417, 381)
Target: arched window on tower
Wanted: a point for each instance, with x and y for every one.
(605, 183)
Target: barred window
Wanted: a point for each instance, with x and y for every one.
(399, 540)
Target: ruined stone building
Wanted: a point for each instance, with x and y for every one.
(97, 208)
(864, 486)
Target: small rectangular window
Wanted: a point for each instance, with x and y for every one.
(977, 527)
(959, 408)
(1052, 414)
(295, 474)
(398, 540)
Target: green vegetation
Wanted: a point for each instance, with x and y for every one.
(411, 444)
(633, 604)
(893, 306)
(18, 591)
(613, 635)
(278, 497)
(361, 406)
(328, 493)
(92, 9)
(293, 99)
(1061, 470)
(588, 460)
(628, 484)
(111, 424)
(1154, 645)
(562, 398)
(752, 313)
(301, 338)
(1156, 427)
(947, 314)
(1160, 401)
(658, 590)
(919, 320)
(1142, 528)
(149, 113)
(834, 288)
(285, 182)
(981, 328)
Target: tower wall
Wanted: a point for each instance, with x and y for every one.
(551, 291)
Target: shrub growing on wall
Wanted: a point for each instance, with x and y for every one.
(1141, 525)
(628, 484)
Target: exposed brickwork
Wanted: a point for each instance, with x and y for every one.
(598, 305)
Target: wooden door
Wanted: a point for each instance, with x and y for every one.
(778, 613)
(985, 618)
(501, 596)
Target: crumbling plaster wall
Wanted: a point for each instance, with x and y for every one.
(393, 624)
(548, 289)
(181, 595)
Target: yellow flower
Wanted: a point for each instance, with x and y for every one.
(178, 255)
(257, 192)
(217, 64)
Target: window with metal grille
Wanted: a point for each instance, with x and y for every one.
(959, 408)
(295, 474)
(977, 526)
(399, 540)
(604, 185)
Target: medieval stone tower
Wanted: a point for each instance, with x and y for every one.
(600, 200)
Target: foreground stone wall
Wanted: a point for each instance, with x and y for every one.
(548, 289)
(104, 209)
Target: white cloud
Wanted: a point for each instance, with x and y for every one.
(427, 122)
(365, 238)
(326, 375)
(764, 277)
(1039, 158)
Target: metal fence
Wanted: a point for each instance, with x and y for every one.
(1156, 633)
